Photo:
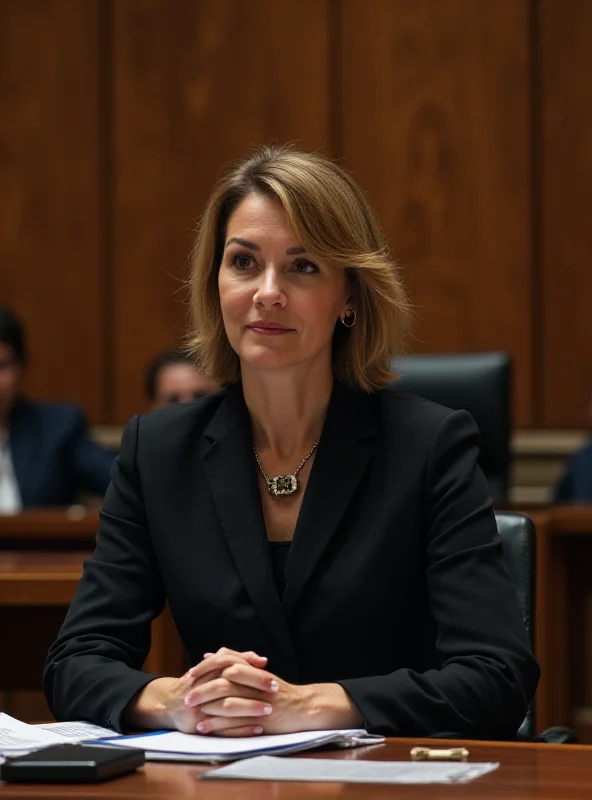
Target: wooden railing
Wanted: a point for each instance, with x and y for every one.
(41, 557)
(564, 613)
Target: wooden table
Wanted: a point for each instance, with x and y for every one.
(526, 772)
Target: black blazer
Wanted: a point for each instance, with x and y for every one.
(396, 583)
(53, 456)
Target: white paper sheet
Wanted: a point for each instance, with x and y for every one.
(80, 731)
(17, 737)
(271, 768)
(174, 746)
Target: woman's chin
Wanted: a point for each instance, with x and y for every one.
(267, 358)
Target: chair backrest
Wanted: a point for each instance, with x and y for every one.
(518, 536)
(478, 383)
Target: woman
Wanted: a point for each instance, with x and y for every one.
(327, 547)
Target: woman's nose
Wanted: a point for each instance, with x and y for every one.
(269, 292)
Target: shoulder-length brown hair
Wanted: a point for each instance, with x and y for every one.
(331, 218)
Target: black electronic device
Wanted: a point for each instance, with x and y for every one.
(71, 763)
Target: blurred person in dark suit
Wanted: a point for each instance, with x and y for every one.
(46, 454)
(575, 485)
(173, 377)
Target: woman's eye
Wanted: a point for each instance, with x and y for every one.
(304, 267)
(242, 261)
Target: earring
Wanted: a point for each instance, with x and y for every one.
(349, 318)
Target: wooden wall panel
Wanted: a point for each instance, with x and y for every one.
(49, 225)
(435, 110)
(196, 85)
(566, 232)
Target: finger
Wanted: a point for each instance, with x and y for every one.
(227, 724)
(246, 675)
(236, 707)
(186, 681)
(218, 689)
(217, 662)
(228, 651)
(249, 655)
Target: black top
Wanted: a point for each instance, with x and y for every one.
(279, 552)
(396, 584)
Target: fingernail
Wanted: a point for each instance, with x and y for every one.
(257, 730)
(188, 700)
(201, 727)
(274, 686)
(267, 709)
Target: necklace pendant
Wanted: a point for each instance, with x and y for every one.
(282, 484)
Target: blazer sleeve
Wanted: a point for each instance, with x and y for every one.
(90, 464)
(92, 670)
(487, 673)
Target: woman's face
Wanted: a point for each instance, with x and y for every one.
(279, 303)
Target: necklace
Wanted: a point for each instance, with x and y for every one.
(284, 484)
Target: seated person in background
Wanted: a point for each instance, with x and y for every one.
(46, 454)
(327, 544)
(575, 485)
(173, 377)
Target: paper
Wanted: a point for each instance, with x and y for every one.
(80, 731)
(271, 768)
(19, 738)
(174, 746)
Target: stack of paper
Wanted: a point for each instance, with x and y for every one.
(18, 738)
(174, 746)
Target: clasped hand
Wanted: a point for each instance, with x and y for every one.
(232, 694)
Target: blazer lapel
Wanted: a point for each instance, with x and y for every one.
(22, 444)
(229, 464)
(342, 459)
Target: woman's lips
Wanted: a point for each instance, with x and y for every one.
(269, 330)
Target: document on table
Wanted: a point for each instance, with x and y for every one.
(80, 731)
(174, 746)
(271, 768)
(18, 738)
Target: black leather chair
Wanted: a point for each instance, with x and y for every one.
(518, 536)
(480, 383)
